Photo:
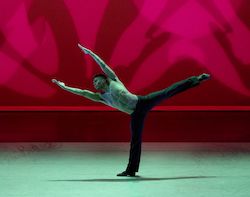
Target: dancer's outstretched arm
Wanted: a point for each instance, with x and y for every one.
(105, 68)
(85, 93)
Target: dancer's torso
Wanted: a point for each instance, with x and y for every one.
(119, 97)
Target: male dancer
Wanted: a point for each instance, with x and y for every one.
(115, 94)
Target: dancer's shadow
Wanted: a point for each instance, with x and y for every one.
(136, 178)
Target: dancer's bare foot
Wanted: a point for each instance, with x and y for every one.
(203, 77)
(126, 173)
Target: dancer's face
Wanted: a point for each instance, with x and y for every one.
(99, 83)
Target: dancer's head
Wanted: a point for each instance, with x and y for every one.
(100, 81)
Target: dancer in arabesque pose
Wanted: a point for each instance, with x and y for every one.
(113, 92)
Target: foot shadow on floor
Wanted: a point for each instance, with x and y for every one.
(136, 178)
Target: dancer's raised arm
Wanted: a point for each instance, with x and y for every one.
(105, 68)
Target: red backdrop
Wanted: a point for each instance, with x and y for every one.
(149, 44)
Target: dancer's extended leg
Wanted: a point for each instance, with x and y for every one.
(152, 99)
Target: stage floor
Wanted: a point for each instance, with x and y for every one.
(89, 169)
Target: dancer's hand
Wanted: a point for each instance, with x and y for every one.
(59, 83)
(85, 50)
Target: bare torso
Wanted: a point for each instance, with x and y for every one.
(117, 96)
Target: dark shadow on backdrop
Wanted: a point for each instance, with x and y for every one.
(243, 12)
(118, 16)
(59, 18)
(242, 69)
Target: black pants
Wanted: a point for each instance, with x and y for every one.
(144, 105)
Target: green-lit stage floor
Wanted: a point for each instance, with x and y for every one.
(89, 169)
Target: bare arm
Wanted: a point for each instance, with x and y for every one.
(85, 93)
(105, 68)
